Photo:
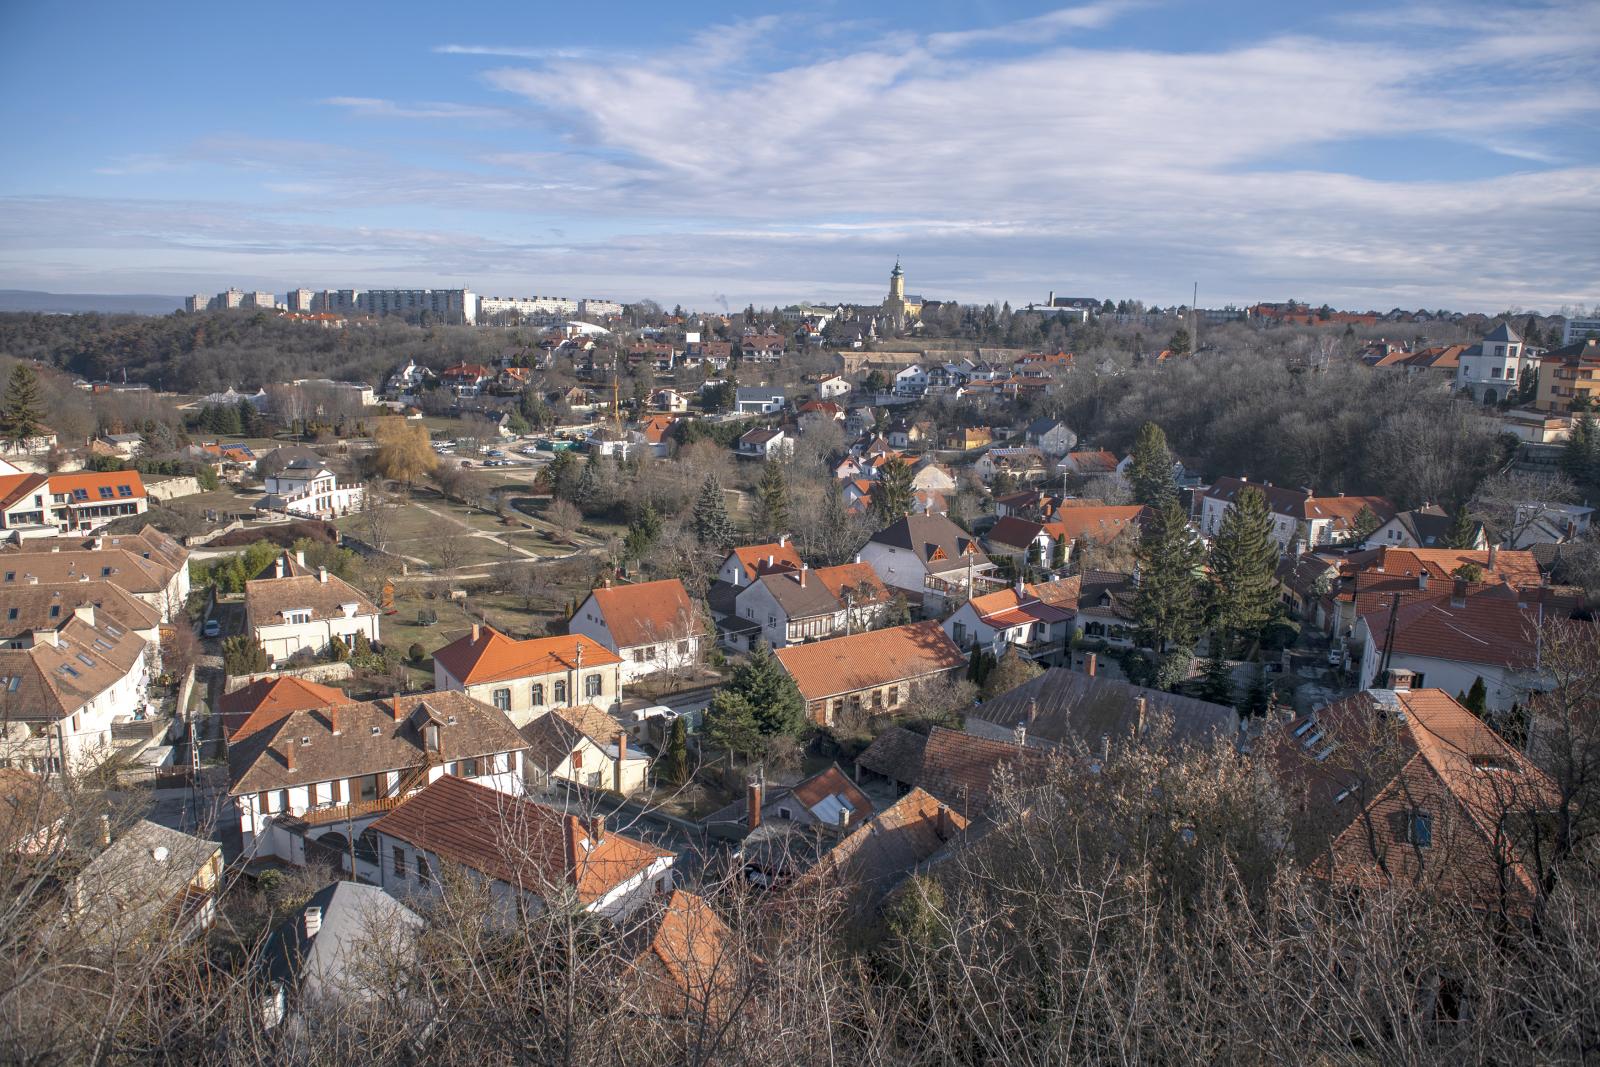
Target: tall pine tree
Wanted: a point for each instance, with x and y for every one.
(1167, 606)
(1463, 531)
(773, 496)
(892, 493)
(712, 527)
(1244, 558)
(22, 414)
(1216, 677)
(1150, 474)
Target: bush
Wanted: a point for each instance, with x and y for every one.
(416, 653)
(1137, 666)
(1280, 635)
(338, 650)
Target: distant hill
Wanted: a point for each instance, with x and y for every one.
(108, 303)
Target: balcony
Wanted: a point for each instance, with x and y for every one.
(329, 814)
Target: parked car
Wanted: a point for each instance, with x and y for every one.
(212, 628)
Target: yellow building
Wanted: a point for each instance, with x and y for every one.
(1568, 374)
(901, 309)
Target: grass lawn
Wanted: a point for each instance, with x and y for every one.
(505, 613)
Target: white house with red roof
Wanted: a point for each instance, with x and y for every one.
(748, 562)
(1035, 620)
(43, 505)
(652, 626)
(1298, 515)
(526, 679)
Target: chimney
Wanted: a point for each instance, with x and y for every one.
(1494, 552)
(313, 921)
(802, 577)
(597, 829)
(771, 561)
(844, 817)
(300, 557)
(752, 802)
(1091, 663)
(475, 633)
(1033, 711)
(943, 825)
(1422, 580)
(1458, 594)
(322, 575)
(578, 656)
(333, 720)
(622, 754)
(394, 706)
(105, 830)
(85, 612)
(783, 539)
(1139, 708)
(277, 568)
(288, 755)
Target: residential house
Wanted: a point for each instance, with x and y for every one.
(1299, 516)
(149, 564)
(1369, 579)
(686, 964)
(970, 438)
(1019, 619)
(783, 831)
(1429, 526)
(526, 679)
(1051, 436)
(870, 673)
(759, 400)
(1405, 787)
(66, 681)
(669, 400)
(1063, 708)
(831, 387)
(656, 430)
(466, 379)
(1090, 464)
(42, 505)
(150, 883)
(652, 626)
(961, 769)
(1491, 371)
(793, 606)
(745, 564)
(911, 382)
(927, 557)
(1449, 634)
(895, 757)
(764, 443)
(527, 853)
(933, 477)
(583, 745)
(408, 380)
(1539, 523)
(1569, 377)
(294, 612)
(308, 785)
(879, 854)
(306, 487)
(1054, 543)
(1105, 607)
(1025, 464)
(320, 957)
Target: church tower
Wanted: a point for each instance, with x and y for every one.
(897, 283)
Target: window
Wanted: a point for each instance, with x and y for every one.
(367, 787)
(536, 695)
(1420, 832)
(430, 737)
(283, 800)
(107, 493)
(894, 696)
(399, 862)
(502, 699)
(424, 872)
(783, 813)
(592, 686)
(577, 760)
(683, 648)
(11, 614)
(263, 802)
(334, 791)
(467, 768)
(561, 692)
(877, 699)
(650, 653)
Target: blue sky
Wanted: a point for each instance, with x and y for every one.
(1366, 154)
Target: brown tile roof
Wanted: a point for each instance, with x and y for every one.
(1302, 504)
(267, 701)
(1096, 524)
(959, 768)
(814, 793)
(370, 740)
(1062, 705)
(1109, 591)
(42, 607)
(67, 666)
(92, 487)
(865, 661)
(516, 841)
(875, 856)
(852, 579)
(1061, 593)
(831, 782)
(934, 539)
(1013, 531)
(1007, 607)
(687, 962)
(266, 599)
(17, 487)
(800, 594)
(28, 809)
(1097, 462)
(647, 613)
(1491, 624)
(1368, 764)
(491, 656)
(553, 736)
(895, 754)
(144, 562)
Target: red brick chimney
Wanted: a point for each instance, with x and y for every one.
(622, 754)
(333, 720)
(394, 706)
(1091, 663)
(1494, 552)
(752, 803)
(597, 829)
(474, 633)
(288, 755)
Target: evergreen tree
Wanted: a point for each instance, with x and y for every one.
(589, 484)
(675, 761)
(712, 527)
(1580, 458)
(730, 723)
(1150, 474)
(1167, 607)
(22, 413)
(773, 496)
(1179, 345)
(1364, 525)
(1244, 558)
(642, 533)
(775, 702)
(1216, 678)
(1259, 698)
(892, 493)
(1463, 531)
(1477, 698)
(1058, 553)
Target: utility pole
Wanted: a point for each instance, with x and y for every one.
(1194, 320)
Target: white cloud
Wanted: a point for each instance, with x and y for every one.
(374, 107)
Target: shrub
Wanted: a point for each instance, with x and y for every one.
(416, 653)
(1280, 634)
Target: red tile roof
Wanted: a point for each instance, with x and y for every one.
(514, 840)
(491, 656)
(1096, 524)
(267, 701)
(123, 485)
(754, 558)
(843, 665)
(959, 768)
(647, 613)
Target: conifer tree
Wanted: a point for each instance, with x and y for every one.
(1477, 698)
(1259, 698)
(1216, 679)
(1167, 608)
(1463, 531)
(22, 414)
(1243, 560)
(773, 495)
(776, 706)
(712, 527)
(1364, 525)
(675, 761)
(642, 533)
(1150, 474)
(892, 492)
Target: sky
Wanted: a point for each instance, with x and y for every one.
(1368, 155)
